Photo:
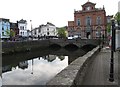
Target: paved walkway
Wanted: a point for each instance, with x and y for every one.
(98, 71)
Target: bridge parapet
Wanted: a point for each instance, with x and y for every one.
(78, 42)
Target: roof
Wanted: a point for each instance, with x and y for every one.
(89, 3)
(4, 19)
(110, 16)
(22, 21)
(50, 23)
(13, 25)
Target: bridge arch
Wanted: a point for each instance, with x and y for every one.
(88, 47)
(55, 45)
(71, 47)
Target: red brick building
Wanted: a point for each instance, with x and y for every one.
(90, 22)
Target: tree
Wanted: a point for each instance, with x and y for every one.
(108, 27)
(62, 32)
(10, 33)
(117, 17)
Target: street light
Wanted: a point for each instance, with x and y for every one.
(111, 76)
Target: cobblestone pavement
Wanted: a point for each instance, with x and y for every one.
(98, 71)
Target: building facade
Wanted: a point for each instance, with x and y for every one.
(14, 27)
(22, 25)
(109, 17)
(48, 30)
(90, 22)
(4, 27)
(118, 31)
(119, 6)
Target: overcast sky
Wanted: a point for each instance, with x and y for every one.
(58, 12)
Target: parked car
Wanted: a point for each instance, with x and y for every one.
(70, 37)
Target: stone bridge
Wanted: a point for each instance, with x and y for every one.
(75, 42)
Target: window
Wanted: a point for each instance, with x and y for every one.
(2, 33)
(88, 21)
(21, 33)
(20, 27)
(2, 28)
(39, 30)
(35, 32)
(97, 34)
(47, 33)
(98, 20)
(23, 27)
(78, 22)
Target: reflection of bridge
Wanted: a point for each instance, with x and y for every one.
(75, 42)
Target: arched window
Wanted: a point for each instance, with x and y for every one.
(78, 22)
(88, 21)
(98, 21)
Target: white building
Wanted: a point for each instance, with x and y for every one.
(22, 25)
(28, 33)
(48, 30)
(118, 31)
(119, 6)
(35, 32)
(117, 39)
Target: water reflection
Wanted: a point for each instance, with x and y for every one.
(36, 68)
(38, 71)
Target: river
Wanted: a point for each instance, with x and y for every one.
(37, 67)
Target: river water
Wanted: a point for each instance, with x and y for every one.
(37, 67)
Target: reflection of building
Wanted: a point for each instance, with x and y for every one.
(90, 22)
(50, 58)
(61, 57)
(4, 26)
(6, 69)
(23, 65)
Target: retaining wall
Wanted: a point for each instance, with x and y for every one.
(12, 47)
(75, 72)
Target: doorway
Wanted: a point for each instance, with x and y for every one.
(88, 35)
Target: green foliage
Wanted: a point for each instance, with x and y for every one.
(62, 32)
(108, 27)
(117, 17)
(7, 32)
(10, 33)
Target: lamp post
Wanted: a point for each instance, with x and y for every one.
(111, 76)
(31, 29)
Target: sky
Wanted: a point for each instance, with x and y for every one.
(58, 12)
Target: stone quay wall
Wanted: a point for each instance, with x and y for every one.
(12, 47)
(73, 74)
